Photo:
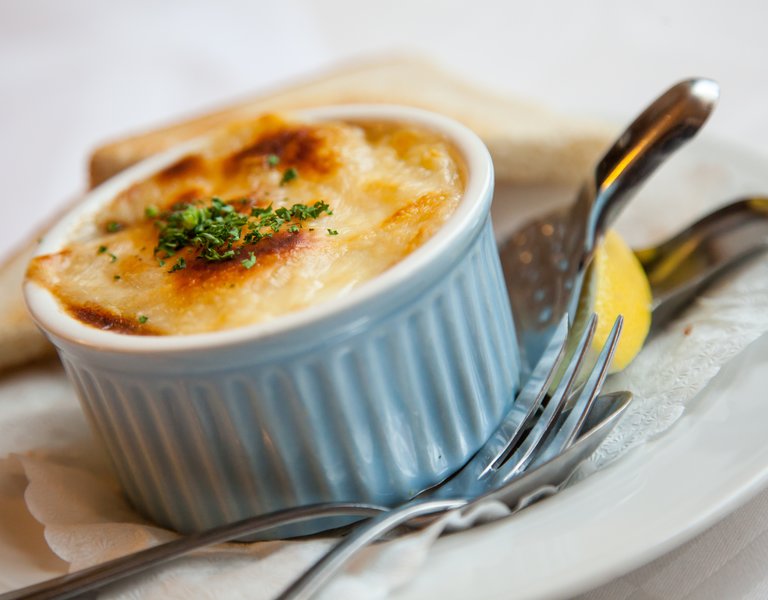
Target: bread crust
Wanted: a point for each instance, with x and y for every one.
(529, 143)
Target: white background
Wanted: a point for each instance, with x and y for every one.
(74, 74)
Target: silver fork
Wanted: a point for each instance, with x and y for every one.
(523, 440)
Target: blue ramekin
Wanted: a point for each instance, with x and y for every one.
(369, 398)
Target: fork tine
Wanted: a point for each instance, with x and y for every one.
(527, 450)
(464, 488)
(524, 408)
(574, 422)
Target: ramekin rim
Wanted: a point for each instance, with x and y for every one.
(466, 219)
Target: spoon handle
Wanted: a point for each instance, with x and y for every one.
(678, 268)
(312, 580)
(665, 125)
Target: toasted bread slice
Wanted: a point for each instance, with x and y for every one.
(20, 339)
(529, 143)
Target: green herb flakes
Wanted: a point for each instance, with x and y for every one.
(180, 264)
(250, 261)
(143, 319)
(217, 230)
(289, 175)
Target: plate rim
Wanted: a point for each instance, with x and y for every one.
(711, 420)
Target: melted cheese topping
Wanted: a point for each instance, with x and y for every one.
(390, 188)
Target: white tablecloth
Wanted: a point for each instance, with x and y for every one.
(73, 74)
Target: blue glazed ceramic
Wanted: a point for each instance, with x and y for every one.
(371, 398)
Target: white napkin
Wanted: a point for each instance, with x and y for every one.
(675, 366)
(75, 496)
(87, 521)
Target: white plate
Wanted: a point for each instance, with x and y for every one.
(650, 501)
(658, 496)
(655, 498)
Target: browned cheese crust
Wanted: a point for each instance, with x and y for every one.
(390, 187)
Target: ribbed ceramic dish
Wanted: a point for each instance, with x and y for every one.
(370, 398)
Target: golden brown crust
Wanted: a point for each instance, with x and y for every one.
(101, 318)
(389, 188)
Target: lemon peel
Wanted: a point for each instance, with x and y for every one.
(616, 284)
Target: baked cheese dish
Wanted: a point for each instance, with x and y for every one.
(272, 216)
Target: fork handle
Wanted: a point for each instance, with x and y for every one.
(98, 576)
(325, 568)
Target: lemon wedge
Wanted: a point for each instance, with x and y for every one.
(615, 283)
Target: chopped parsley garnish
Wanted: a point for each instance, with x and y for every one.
(273, 160)
(114, 226)
(289, 175)
(103, 250)
(180, 264)
(267, 221)
(217, 231)
(333, 232)
(250, 261)
(212, 230)
(143, 319)
(151, 212)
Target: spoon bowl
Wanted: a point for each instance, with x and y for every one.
(545, 260)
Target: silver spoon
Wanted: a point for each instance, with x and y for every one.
(562, 243)
(681, 266)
